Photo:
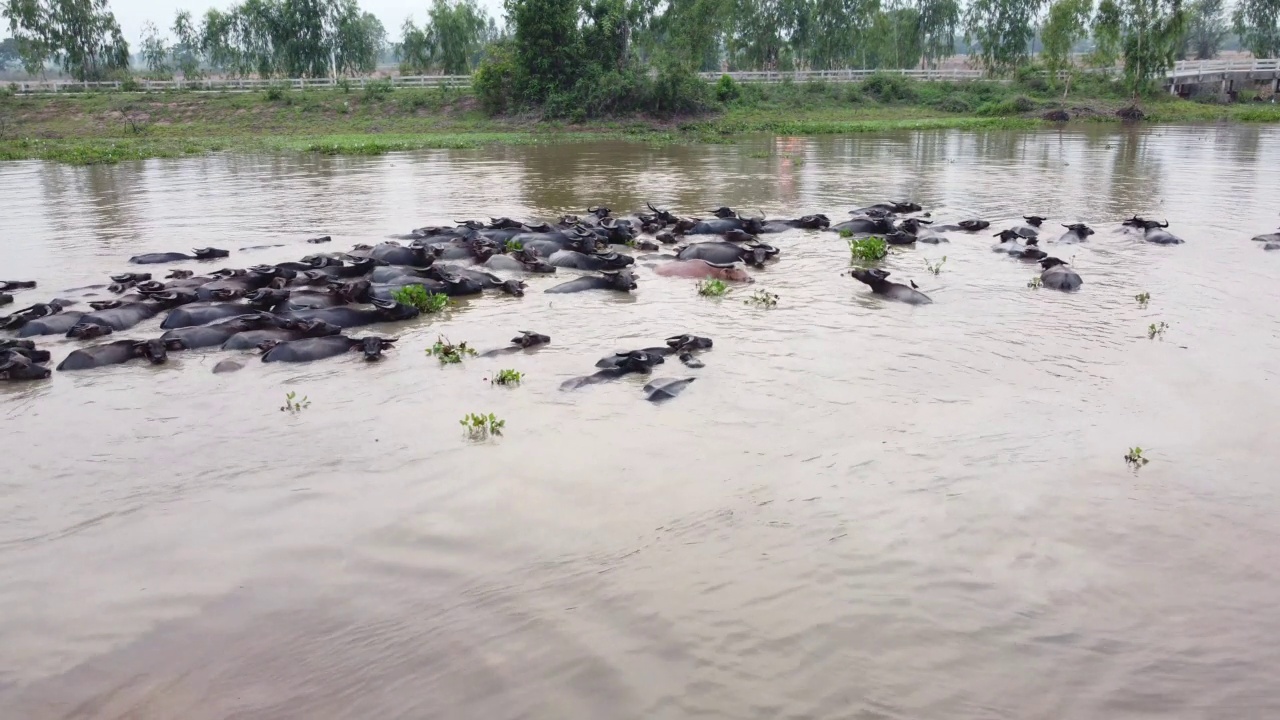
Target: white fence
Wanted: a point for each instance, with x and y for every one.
(1182, 71)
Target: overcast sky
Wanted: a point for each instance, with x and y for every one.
(133, 13)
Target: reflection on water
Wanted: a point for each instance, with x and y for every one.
(859, 510)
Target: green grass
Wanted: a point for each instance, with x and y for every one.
(98, 128)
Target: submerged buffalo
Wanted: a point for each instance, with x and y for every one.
(203, 314)
(114, 353)
(216, 333)
(1030, 228)
(880, 285)
(19, 318)
(319, 348)
(198, 254)
(17, 365)
(594, 261)
(113, 317)
(11, 285)
(703, 269)
(964, 226)
(897, 207)
(661, 389)
(349, 317)
(864, 226)
(523, 341)
(1058, 276)
(726, 253)
(634, 361)
(620, 280)
(1076, 233)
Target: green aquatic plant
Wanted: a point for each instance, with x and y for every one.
(481, 426)
(869, 248)
(1135, 458)
(846, 233)
(1035, 283)
(421, 298)
(712, 287)
(293, 404)
(507, 377)
(448, 353)
(514, 245)
(935, 268)
(1143, 298)
(1157, 330)
(762, 298)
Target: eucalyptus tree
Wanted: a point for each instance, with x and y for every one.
(154, 50)
(1148, 34)
(938, 22)
(1258, 24)
(186, 45)
(1066, 24)
(1206, 29)
(82, 36)
(1003, 31)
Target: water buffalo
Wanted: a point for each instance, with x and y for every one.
(18, 318)
(113, 317)
(349, 317)
(583, 261)
(864, 226)
(20, 366)
(725, 253)
(964, 226)
(634, 361)
(1008, 242)
(57, 324)
(1268, 238)
(1030, 251)
(114, 353)
(807, 222)
(203, 314)
(216, 333)
(284, 331)
(5, 298)
(523, 341)
(1030, 228)
(703, 269)
(622, 280)
(27, 350)
(893, 206)
(319, 348)
(198, 254)
(1058, 276)
(396, 254)
(880, 285)
(1157, 234)
(520, 261)
(1076, 233)
(11, 285)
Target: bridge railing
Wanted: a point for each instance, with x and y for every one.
(1181, 69)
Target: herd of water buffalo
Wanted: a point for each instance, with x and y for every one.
(299, 311)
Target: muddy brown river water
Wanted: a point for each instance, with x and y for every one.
(859, 510)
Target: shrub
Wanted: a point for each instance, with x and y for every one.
(378, 89)
(1012, 106)
(678, 90)
(494, 81)
(890, 88)
(954, 103)
(727, 89)
(276, 92)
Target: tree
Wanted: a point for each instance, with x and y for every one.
(216, 30)
(1149, 33)
(9, 55)
(1258, 24)
(359, 41)
(547, 50)
(839, 31)
(155, 53)
(80, 35)
(186, 46)
(1003, 30)
(454, 33)
(1107, 23)
(1067, 23)
(938, 22)
(1206, 29)
(894, 39)
(414, 50)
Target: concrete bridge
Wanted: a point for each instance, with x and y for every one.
(1229, 75)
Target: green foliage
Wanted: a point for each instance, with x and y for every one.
(1258, 24)
(155, 53)
(1010, 106)
(890, 88)
(514, 245)
(294, 404)
(954, 104)
(1156, 330)
(80, 35)
(712, 287)
(869, 248)
(1143, 298)
(726, 89)
(448, 353)
(1206, 29)
(1146, 33)
(935, 268)
(378, 89)
(1002, 31)
(421, 298)
(186, 46)
(762, 298)
(480, 426)
(276, 92)
(1035, 283)
(1067, 23)
(1135, 458)
(507, 377)
(494, 82)
(454, 35)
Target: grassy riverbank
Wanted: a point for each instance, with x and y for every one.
(111, 127)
